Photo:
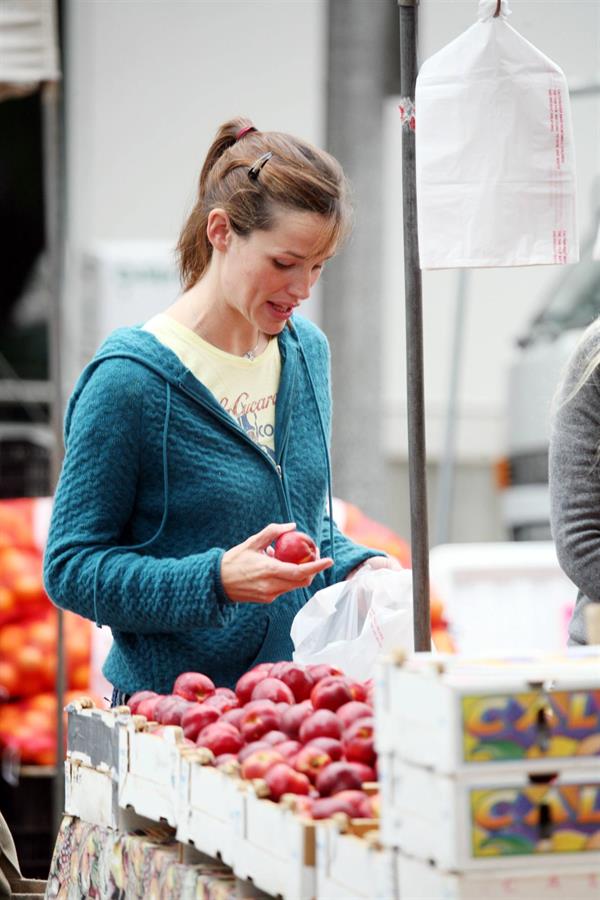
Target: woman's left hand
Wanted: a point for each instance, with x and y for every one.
(377, 562)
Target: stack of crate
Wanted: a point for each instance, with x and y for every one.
(211, 804)
(275, 849)
(126, 773)
(150, 764)
(352, 864)
(92, 764)
(109, 780)
(490, 774)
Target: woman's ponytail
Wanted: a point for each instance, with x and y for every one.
(227, 136)
(194, 250)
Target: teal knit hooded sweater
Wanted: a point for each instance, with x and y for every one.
(158, 481)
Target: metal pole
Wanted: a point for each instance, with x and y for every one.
(414, 340)
(445, 490)
(53, 170)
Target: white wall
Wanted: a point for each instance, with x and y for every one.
(500, 301)
(148, 82)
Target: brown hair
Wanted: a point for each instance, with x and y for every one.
(296, 176)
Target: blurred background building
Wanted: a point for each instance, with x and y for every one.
(146, 84)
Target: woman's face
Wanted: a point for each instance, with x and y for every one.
(266, 275)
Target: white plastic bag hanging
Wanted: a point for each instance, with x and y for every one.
(349, 624)
(495, 161)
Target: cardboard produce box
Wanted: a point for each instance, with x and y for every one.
(92, 795)
(457, 715)
(418, 880)
(500, 821)
(97, 746)
(275, 849)
(93, 735)
(149, 769)
(211, 808)
(351, 863)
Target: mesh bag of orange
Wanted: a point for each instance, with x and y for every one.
(28, 620)
(22, 592)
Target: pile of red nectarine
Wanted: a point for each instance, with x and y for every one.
(302, 730)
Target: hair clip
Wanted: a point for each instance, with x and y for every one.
(244, 131)
(254, 170)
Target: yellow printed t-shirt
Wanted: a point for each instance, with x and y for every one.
(246, 389)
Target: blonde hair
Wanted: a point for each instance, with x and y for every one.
(297, 176)
(588, 364)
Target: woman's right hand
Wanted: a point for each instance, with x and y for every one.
(251, 574)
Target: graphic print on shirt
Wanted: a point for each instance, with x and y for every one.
(253, 416)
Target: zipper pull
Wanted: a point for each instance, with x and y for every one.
(279, 472)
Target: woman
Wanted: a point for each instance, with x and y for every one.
(575, 476)
(194, 441)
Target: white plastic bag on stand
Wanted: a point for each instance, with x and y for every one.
(495, 162)
(349, 624)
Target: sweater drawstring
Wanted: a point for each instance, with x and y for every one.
(158, 533)
(327, 457)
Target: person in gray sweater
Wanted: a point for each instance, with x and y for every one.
(574, 472)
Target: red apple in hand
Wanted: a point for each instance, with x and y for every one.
(295, 547)
(193, 686)
(272, 689)
(196, 718)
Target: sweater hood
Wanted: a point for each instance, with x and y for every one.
(136, 344)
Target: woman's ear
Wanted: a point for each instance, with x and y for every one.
(218, 229)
